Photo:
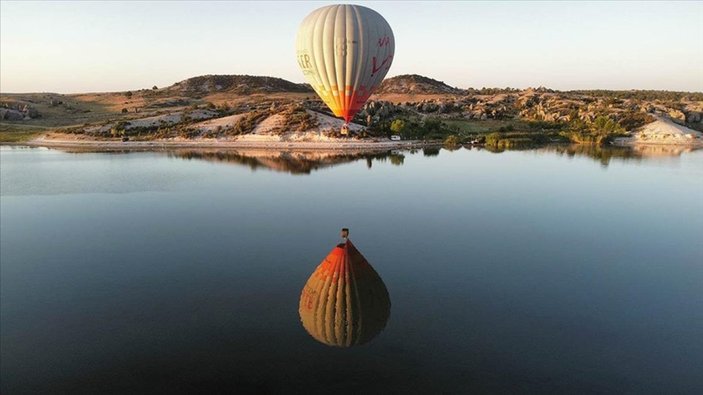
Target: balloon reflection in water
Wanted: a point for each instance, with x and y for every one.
(344, 303)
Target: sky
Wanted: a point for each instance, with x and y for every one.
(71, 47)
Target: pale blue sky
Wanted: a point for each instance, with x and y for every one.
(100, 46)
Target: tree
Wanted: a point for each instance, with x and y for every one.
(398, 126)
(128, 94)
(430, 151)
(452, 142)
(431, 126)
(154, 87)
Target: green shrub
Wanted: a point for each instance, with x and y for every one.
(431, 126)
(493, 138)
(430, 151)
(633, 120)
(452, 141)
(248, 122)
(515, 143)
(602, 130)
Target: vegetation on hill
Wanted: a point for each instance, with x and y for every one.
(642, 94)
(600, 131)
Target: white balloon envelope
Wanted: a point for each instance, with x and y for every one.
(345, 51)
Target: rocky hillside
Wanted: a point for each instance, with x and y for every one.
(236, 84)
(17, 110)
(630, 109)
(416, 84)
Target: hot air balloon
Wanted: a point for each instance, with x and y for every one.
(344, 52)
(345, 302)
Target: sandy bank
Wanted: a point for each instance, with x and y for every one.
(663, 131)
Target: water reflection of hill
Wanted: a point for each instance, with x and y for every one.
(653, 150)
(294, 162)
(604, 154)
(304, 162)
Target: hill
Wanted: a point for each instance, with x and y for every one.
(237, 84)
(416, 84)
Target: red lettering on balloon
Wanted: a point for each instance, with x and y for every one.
(377, 67)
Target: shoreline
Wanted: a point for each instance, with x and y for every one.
(267, 145)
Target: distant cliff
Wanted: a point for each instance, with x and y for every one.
(416, 84)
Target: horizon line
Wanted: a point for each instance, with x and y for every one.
(385, 79)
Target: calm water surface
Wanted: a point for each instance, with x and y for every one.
(555, 270)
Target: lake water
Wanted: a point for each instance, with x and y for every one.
(554, 270)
